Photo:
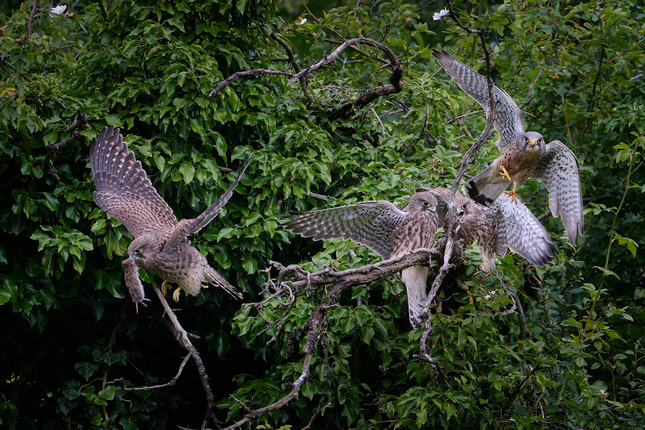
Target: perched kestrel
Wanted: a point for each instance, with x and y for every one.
(505, 224)
(523, 154)
(391, 232)
(160, 243)
(384, 228)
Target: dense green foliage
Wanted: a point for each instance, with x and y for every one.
(72, 342)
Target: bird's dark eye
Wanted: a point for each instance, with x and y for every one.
(426, 203)
(137, 251)
(526, 139)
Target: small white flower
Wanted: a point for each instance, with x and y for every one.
(303, 21)
(439, 15)
(58, 10)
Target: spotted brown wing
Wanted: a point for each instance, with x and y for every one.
(368, 223)
(122, 187)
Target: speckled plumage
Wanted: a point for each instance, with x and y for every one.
(522, 154)
(160, 243)
(506, 224)
(391, 232)
(384, 228)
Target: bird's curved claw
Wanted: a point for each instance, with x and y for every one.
(165, 287)
(512, 194)
(505, 174)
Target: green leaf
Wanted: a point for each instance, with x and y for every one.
(86, 369)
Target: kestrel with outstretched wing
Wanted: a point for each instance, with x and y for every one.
(391, 232)
(384, 228)
(160, 243)
(505, 225)
(523, 154)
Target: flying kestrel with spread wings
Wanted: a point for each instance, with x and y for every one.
(160, 243)
(391, 232)
(523, 154)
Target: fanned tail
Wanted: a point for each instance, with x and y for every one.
(215, 278)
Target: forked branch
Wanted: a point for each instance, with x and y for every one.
(394, 85)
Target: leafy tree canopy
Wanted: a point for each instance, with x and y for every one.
(569, 354)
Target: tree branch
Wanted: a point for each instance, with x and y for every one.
(472, 151)
(75, 134)
(296, 66)
(367, 97)
(170, 383)
(182, 338)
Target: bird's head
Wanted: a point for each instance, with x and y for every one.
(441, 207)
(462, 211)
(531, 141)
(140, 248)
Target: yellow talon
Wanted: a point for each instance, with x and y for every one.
(175, 295)
(505, 174)
(512, 193)
(165, 287)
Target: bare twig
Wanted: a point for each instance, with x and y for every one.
(295, 65)
(182, 338)
(520, 313)
(170, 383)
(31, 18)
(74, 135)
(245, 74)
(318, 196)
(368, 96)
(528, 94)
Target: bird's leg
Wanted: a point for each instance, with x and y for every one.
(165, 287)
(512, 193)
(505, 174)
(175, 295)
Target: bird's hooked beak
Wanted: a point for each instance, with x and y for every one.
(460, 213)
(441, 209)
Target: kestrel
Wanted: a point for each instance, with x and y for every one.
(385, 229)
(523, 154)
(390, 232)
(505, 224)
(160, 243)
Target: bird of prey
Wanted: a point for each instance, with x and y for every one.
(505, 224)
(384, 228)
(391, 232)
(160, 243)
(523, 154)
